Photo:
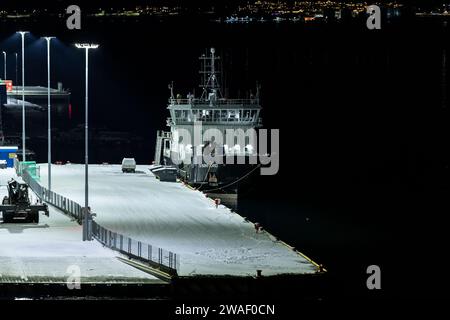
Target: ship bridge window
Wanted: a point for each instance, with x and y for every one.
(206, 115)
(183, 115)
(234, 115)
(223, 115)
(216, 115)
(186, 115)
(250, 115)
(195, 115)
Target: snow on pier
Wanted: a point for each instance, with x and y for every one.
(49, 252)
(210, 240)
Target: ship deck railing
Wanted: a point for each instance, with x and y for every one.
(164, 134)
(205, 120)
(215, 103)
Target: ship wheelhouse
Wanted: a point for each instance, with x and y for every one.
(223, 112)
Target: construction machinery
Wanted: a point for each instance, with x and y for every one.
(17, 207)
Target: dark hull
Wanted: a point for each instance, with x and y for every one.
(224, 181)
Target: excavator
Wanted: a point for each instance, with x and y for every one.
(17, 207)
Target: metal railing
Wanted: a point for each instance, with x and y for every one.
(216, 102)
(164, 134)
(156, 257)
(159, 258)
(16, 165)
(68, 206)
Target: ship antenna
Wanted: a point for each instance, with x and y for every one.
(214, 81)
(171, 90)
(258, 91)
(210, 76)
(213, 65)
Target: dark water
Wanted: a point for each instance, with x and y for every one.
(364, 130)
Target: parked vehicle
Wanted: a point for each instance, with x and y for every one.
(129, 165)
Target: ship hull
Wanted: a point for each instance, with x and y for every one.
(218, 181)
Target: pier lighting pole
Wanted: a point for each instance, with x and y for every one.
(15, 80)
(49, 157)
(87, 236)
(4, 60)
(22, 33)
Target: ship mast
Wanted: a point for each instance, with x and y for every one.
(211, 86)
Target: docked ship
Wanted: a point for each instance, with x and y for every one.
(210, 112)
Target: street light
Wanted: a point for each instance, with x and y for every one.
(49, 39)
(86, 233)
(4, 59)
(22, 33)
(15, 80)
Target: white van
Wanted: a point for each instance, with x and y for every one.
(129, 165)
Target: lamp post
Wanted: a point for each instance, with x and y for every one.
(49, 156)
(86, 213)
(22, 33)
(4, 59)
(15, 80)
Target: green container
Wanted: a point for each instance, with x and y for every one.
(31, 167)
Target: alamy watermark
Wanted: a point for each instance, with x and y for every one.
(374, 280)
(234, 146)
(374, 19)
(74, 20)
(74, 279)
